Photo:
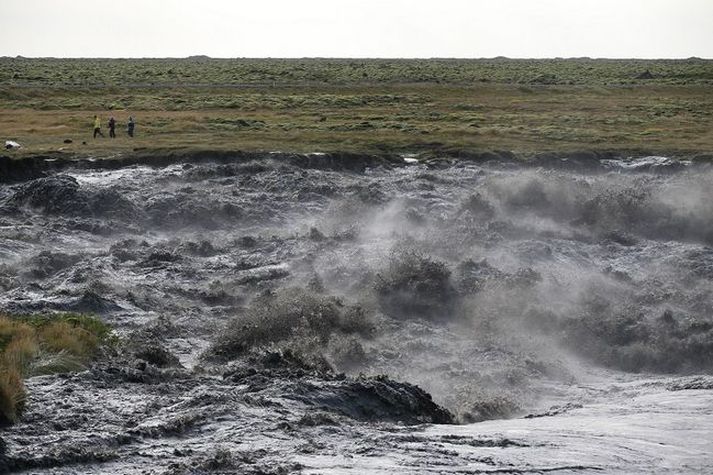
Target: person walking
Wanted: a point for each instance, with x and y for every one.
(97, 126)
(130, 127)
(112, 127)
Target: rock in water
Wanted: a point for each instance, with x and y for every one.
(58, 194)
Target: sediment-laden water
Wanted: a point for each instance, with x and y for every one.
(295, 315)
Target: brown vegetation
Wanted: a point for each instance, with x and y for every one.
(32, 345)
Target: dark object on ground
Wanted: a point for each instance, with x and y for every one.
(362, 398)
(380, 399)
(645, 75)
(67, 140)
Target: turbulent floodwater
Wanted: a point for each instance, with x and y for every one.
(278, 316)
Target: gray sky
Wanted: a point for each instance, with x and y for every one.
(357, 28)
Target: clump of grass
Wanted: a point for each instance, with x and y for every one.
(12, 394)
(63, 336)
(11, 329)
(33, 344)
(17, 349)
(20, 353)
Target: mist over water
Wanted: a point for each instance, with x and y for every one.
(502, 290)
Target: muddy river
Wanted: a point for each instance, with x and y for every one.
(307, 314)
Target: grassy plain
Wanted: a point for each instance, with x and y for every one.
(309, 105)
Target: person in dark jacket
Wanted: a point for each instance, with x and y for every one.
(112, 127)
(130, 126)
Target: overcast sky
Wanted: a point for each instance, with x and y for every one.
(357, 28)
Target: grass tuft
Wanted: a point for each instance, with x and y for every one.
(12, 394)
(63, 336)
(20, 353)
(37, 344)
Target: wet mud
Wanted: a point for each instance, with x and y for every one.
(343, 314)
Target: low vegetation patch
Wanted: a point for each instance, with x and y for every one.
(32, 345)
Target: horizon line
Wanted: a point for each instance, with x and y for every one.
(499, 57)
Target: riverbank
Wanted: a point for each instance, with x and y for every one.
(365, 106)
(15, 168)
